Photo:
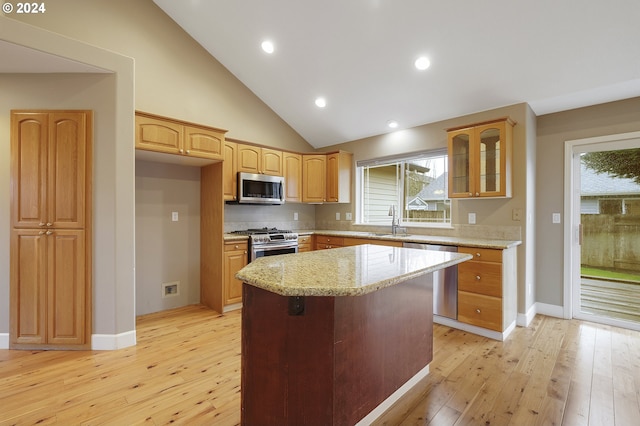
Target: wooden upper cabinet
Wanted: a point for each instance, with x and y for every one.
(203, 143)
(230, 171)
(339, 167)
(314, 171)
(158, 135)
(480, 159)
(249, 158)
(292, 177)
(272, 162)
(254, 159)
(48, 170)
(165, 135)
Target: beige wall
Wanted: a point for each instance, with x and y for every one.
(553, 130)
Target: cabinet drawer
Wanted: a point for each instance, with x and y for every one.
(481, 254)
(480, 310)
(324, 239)
(304, 239)
(236, 245)
(323, 246)
(480, 277)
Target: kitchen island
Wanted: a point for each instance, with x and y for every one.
(334, 337)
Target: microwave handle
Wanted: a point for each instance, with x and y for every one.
(281, 192)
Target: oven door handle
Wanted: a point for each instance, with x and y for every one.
(274, 246)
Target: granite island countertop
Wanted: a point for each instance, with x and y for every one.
(346, 271)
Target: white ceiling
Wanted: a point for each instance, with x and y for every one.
(359, 54)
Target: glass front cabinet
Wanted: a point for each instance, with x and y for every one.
(480, 159)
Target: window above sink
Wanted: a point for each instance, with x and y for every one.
(416, 184)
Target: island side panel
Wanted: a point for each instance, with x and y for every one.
(287, 360)
(382, 339)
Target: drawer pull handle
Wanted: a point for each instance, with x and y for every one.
(478, 311)
(237, 246)
(477, 277)
(477, 254)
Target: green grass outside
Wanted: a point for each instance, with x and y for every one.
(608, 274)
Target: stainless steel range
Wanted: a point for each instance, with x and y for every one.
(270, 241)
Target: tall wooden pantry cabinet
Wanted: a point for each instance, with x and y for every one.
(50, 284)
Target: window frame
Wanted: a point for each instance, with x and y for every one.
(361, 165)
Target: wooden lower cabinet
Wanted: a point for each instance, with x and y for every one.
(305, 243)
(486, 288)
(326, 242)
(235, 258)
(348, 241)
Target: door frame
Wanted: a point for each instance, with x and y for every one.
(572, 151)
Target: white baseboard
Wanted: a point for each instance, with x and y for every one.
(550, 310)
(523, 320)
(110, 342)
(393, 398)
(495, 335)
(4, 340)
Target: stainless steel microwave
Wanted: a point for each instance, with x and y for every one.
(255, 188)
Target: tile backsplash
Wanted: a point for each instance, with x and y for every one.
(239, 217)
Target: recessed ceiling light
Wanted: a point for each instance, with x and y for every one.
(268, 46)
(422, 63)
(392, 123)
(321, 102)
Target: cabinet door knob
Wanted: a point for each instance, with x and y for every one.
(41, 224)
(49, 232)
(187, 151)
(477, 254)
(245, 252)
(477, 277)
(49, 223)
(477, 194)
(237, 246)
(477, 311)
(180, 150)
(41, 232)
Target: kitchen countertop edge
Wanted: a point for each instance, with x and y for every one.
(409, 238)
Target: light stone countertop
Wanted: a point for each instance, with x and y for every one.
(417, 238)
(413, 238)
(346, 271)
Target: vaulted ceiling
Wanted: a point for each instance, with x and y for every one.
(359, 55)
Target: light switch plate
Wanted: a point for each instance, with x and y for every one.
(295, 215)
(337, 215)
(556, 218)
(174, 216)
(472, 218)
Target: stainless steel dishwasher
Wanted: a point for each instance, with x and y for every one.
(445, 283)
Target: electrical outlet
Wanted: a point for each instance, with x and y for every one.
(174, 216)
(472, 218)
(348, 216)
(295, 215)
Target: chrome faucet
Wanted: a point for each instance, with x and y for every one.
(394, 219)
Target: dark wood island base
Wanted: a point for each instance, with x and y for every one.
(331, 360)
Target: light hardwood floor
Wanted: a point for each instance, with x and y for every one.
(186, 369)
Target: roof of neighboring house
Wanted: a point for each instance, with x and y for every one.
(429, 192)
(598, 184)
